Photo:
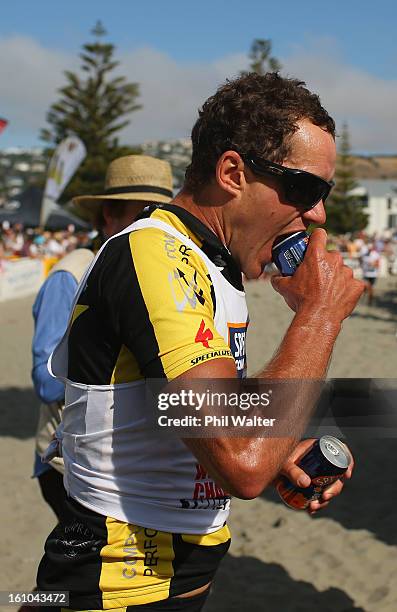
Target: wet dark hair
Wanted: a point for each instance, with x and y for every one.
(254, 114)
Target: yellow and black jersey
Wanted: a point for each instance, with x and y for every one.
(148, 308)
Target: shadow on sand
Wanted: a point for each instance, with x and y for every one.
(368, 499)
(19, 413)
(246, 583)
(386, 301)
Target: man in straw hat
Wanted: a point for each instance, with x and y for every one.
(164, 300)
(132, 182)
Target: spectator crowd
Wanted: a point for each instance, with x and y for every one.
(357, 247)
(17, 241)
(360, 250)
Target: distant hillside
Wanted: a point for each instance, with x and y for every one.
(375, 167)
(21, 168)
(178, 153)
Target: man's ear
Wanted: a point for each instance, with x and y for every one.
(230, 173)
(106, 211)
(109, 219)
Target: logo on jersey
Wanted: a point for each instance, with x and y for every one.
(187, 287)
(207, 495)
(211, 355)
(237, 337)
(204, 335)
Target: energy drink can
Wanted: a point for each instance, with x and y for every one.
(288, 252)
(325, 462)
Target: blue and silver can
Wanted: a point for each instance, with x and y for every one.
(288, 252)
(325, 462)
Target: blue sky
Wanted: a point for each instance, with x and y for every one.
(342, 49)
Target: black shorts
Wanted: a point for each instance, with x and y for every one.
(107, 564)
(53, 491)
(173, 604)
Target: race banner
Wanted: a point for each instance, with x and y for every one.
(66, 159)
(3, 124)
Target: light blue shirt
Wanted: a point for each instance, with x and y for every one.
(51, 311)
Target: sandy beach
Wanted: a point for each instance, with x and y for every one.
(342, 560)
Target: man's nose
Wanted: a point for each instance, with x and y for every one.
(316, 215)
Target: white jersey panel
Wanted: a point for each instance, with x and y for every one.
(119, 466)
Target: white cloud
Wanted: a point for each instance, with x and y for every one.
(29, 76)
(368, 103)
(171, 91)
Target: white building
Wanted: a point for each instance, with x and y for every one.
(380, 196)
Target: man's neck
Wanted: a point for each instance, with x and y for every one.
(211, 216)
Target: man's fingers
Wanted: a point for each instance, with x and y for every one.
(299, 478)
(315, 506)
(318, 239)
(296, 475)
(278, 282)
(349, 471)
(333, 490)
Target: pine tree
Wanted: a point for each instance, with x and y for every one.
(344, 209)
(94, 106)
(261, 59)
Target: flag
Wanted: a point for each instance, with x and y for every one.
(66, 159)
(3, 124)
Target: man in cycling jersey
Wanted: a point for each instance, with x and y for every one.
(165, 300)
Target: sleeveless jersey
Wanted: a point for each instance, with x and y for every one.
(148, 521)
(115, 464)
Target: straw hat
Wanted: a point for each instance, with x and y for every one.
(133, 177)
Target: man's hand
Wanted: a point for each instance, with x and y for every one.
(322, 292)
(322, 285)
(300, 479)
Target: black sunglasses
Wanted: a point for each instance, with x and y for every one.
(301, 189)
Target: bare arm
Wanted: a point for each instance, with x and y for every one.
(322, 293)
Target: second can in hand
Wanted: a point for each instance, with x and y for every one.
(325, 462)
